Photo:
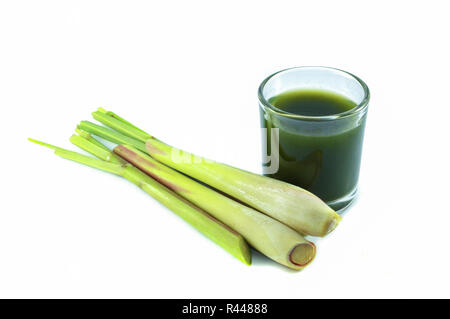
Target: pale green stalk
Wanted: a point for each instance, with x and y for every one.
(91, 139)
(121, 119)
(272, 238)
(121, 125)
(218, 232)
(110, 135)
(97, 150)
(292, 205)
(285, 202)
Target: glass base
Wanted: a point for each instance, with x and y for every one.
(340, 205)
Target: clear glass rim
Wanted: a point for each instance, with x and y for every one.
(357, 109)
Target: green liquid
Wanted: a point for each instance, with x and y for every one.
(312, 102)
(314, 154)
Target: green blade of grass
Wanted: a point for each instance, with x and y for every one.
(83, 159)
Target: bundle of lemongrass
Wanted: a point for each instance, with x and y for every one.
(270, 215)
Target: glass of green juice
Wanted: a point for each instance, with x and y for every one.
(313, 121)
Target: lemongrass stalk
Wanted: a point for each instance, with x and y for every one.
(292, 205)
(120, 125)
(212, 228)
(83, 159)
(110, 135)
(95, 149)
(269, 236)
(91, 139)
(121, 119)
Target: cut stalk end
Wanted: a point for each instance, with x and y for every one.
(334, 223)
(303, 254)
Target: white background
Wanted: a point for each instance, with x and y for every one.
(187, 72)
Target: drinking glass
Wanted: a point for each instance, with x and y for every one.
(321, 154)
